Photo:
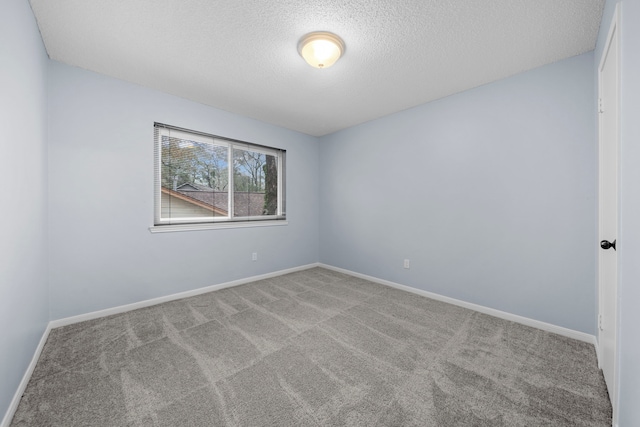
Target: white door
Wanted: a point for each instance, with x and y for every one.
(608, 100)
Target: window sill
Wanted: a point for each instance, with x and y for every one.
(214, 226)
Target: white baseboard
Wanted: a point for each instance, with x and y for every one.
(13, 406)
(186, 294)
(122, 309)
(581, 336)
(570, 333)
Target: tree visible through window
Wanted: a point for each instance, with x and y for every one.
(203, 178)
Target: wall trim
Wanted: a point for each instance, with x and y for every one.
(159, 300)
(13, 406)
(570, 333)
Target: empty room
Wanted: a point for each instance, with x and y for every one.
(320, 213)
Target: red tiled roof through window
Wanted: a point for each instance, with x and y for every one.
(245, 203)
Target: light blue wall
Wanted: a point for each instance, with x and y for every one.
(101, 198)
(23, 239)
(490, 193)
(629, 232)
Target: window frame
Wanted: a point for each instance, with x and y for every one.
(161, 224)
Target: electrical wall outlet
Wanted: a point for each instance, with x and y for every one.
(406, 263)
(254, 256)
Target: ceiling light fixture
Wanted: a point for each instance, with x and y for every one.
(321, 49)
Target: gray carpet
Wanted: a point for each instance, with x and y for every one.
(312, 348)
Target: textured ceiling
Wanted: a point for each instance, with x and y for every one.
(240, 55)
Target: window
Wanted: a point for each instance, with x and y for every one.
(206, 179)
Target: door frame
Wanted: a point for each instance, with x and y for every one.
(614, 30)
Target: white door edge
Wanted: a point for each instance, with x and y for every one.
(614, 31)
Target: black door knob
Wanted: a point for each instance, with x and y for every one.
(605, 244)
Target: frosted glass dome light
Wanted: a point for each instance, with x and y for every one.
(321, 49)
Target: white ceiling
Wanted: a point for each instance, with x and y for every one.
(241, 56)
